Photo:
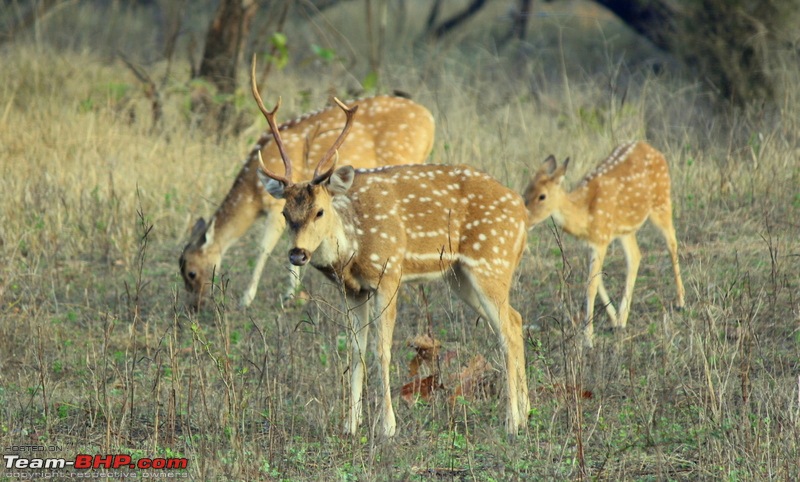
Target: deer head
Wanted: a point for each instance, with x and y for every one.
(544, 194)
(198, 261)
(306, 202)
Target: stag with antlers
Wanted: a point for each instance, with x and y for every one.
(371, 230)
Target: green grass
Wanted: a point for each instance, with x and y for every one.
(99, 355)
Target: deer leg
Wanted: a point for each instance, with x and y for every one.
(463, 286)
(295, 276)
(663, 221)
(386, 306)
(633, 256)
(612, 312)
(490, 299)
(595, 278)
(273, 228)
(523, 398)
(358, 323)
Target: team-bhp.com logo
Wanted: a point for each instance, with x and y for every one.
(88, 462)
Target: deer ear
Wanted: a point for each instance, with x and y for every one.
(208, 236)
(198, 228)
(558, 175)
(341, 180)
(549, 165)
(202, 234)
(273, 186)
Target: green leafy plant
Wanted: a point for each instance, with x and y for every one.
(325, 54)
(279, 56)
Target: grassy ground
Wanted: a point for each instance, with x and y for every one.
(99, 355)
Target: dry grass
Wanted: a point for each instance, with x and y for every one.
(98, 354)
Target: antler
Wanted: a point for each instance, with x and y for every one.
(286, 179)
(333, 151)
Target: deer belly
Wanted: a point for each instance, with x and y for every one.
(426, 266)
(629, 226)
(418, 277)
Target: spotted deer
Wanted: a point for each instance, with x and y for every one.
(390, 130)
(369, 230)
(613, 201)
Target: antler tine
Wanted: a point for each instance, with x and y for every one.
(286, 179)
(333, 151)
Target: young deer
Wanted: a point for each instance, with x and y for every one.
(613, 201)
(390, 130)
(370, 230)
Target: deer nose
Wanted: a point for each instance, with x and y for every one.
(299, 256)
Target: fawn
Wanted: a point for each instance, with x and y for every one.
(613, 201)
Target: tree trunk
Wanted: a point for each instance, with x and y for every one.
(28, 18)
(519, 24)
(433, 15)
(224, 40)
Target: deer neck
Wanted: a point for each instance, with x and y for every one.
(573, 213)
(240, 209)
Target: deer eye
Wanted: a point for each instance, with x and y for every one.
(320, 213)
(542, 197)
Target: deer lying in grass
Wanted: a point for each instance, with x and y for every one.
(613, 201)
(390, 130)
(370, 230)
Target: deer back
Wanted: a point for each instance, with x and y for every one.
(622, 191)
(387, 131)
(412, 222)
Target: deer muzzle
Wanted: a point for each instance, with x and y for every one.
(299, 256)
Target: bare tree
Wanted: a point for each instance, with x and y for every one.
(433, 15)
(435, 30)
(30, 16)
(519, 20)
(438, 31)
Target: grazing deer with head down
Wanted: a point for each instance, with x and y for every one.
(613, 201)
(370, 230)
(390, 130)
